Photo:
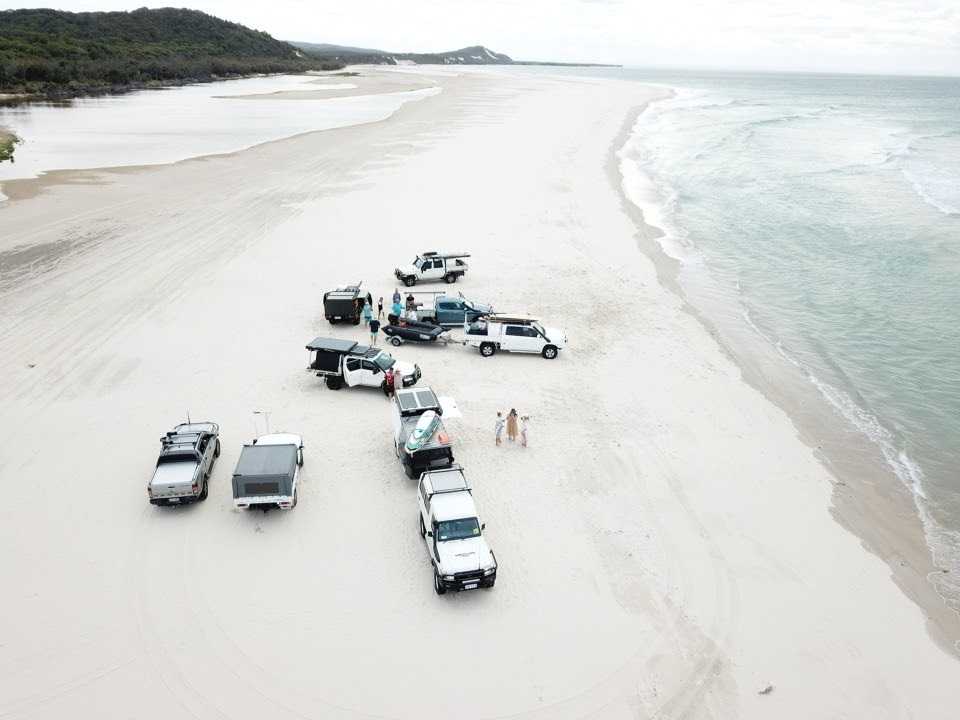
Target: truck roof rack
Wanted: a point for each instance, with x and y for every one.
(516, 319)
(417, 400)
(434, 253)
(450, 479)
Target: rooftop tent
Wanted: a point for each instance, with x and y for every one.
(331, 345)
(412, 400)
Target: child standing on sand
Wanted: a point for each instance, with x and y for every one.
(524, 422)
(498, 428)
(512, 425)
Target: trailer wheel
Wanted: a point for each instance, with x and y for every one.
(487, 349)
(438, 584)
(396, 341)
(409, 281)
(334, 383)
(450, 278)
(549, 352)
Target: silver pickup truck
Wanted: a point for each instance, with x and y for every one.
(187, 454)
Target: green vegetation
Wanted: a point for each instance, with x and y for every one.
(65, 54)
(8, 141)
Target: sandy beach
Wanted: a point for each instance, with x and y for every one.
(667, 544)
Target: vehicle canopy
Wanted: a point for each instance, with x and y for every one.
(345, 301)
(265, 470)
(334, 345)
(444, 255)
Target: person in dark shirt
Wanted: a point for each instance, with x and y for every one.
(374, 329)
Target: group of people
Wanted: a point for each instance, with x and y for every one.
(398, 310)
(513, 424)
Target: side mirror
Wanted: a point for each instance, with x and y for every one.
(483, 526)
(429, 533)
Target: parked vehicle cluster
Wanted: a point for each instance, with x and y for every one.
(268, 470)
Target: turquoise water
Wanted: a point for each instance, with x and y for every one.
(828, 208)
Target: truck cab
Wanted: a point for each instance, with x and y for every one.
(187, 455)
(449, 310)
(347, 362)
(433, 266)
(420, 436)
(515, 333)
(451, 529)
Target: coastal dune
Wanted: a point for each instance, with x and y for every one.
(666, 545)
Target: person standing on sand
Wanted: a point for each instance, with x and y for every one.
(370, 301)
(512, 425)
(379, 308)
(397, 308)
(388, 383)
(374, 329)
(367, 313)
(524, 422)
(498, 428)
(396, 296)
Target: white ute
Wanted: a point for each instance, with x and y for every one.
(453, 533)
(515, 333)
(433, 267)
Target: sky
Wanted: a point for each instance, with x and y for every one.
(880, 36)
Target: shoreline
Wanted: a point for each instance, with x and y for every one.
(885, 515)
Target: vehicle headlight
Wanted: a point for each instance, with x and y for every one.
(490, 571)
(448, 577)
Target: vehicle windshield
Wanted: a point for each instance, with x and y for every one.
(417, 260)
(384, 361)
(457, 529)
(539, 328)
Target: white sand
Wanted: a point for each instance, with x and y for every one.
(665, 544)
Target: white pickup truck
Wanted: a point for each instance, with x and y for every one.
(453, 533)
(433, 267)
(268, 472)
(515, 333)
(347, 362)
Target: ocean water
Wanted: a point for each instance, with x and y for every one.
(827, 210)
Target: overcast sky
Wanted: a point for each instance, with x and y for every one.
(888, 36)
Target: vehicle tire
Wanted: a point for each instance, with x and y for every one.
(396, 341)
(490, 586)
(299, 457)
(216, 449)
(488, 349)
(408, 469)
(206, 490)
(334, 383)
(423, 530)
(296, 498)
(549, 352)
(332, 321)
(356, 321)
(410, 281)
(450, 278)
(437, 584)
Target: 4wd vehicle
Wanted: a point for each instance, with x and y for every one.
(449, 525)
(268, 472)
(347, 362)
(449, 311)
(515, 333)
(420, 438)
(187, 454)
(432, 267)
(344, 304)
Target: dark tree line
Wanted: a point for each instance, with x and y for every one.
(56, 52)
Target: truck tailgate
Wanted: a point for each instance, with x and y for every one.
(173, 479)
